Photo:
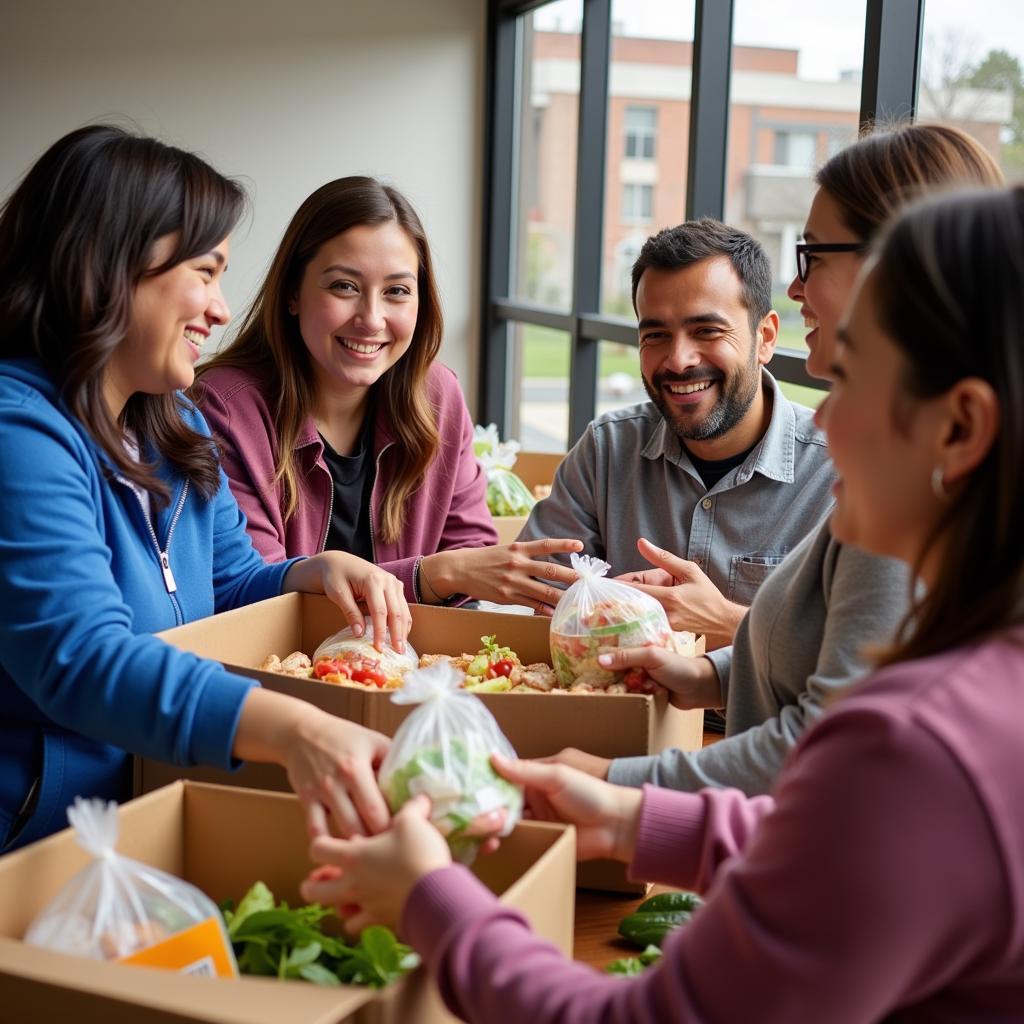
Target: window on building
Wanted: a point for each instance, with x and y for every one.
(637, 203)
(641, 128)
(795, 150)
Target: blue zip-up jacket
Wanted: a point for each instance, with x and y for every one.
(86, 578)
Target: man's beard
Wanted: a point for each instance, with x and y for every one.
(734, 401)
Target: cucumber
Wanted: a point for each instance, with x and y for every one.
(656, 917)
(688, 901)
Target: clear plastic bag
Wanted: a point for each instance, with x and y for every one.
(116, 908)
(596, 615)
(444, 749)
(357, 657)
(507, 495)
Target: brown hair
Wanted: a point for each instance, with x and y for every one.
(76, 238)
(270, 344)
(891, 165)
(947, 289)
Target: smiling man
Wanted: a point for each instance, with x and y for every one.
(719, 467)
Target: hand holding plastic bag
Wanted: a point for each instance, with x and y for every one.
(596, 615)
(120, 909)
(361, 661)
(443, 749)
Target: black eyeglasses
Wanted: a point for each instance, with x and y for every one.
(804, 251)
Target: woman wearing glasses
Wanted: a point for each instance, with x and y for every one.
(810, 623)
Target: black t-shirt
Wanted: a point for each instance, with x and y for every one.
(713, 471)
(352, 477)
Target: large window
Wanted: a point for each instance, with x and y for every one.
(796, 96)
(614, 118)
(972, 74)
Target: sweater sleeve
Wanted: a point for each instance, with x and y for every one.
(247, 459)
(832, 905)
(866, 597)
(66, 635)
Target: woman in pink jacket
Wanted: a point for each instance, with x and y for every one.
(338, 427)
(885, 877)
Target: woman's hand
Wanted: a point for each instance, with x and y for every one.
(581, 761)
(689, 598)
(604, 815)
(348, 580)
(505, 573)
(369, 880)
(331, 763)
(691, 682)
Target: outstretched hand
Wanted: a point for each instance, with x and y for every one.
(518, 573)
(688, 596)
(605, 816)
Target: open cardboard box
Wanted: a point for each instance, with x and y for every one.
(536, 724)
(222, 840)
(533, 468)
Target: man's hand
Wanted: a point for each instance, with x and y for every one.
(689, 598)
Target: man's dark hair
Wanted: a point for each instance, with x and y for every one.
(696, 240)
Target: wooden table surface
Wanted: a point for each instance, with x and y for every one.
(598, 914)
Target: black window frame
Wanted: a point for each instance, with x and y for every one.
(893, 30)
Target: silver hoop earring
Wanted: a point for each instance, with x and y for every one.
(939, 484)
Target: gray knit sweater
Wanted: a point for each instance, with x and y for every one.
(799, 644)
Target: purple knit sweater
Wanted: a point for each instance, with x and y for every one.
(884, 880)
(448, 511)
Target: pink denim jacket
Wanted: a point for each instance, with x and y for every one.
(448, 511)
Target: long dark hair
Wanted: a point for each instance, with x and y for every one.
(947, 286)
(270, 343)
(76, 238)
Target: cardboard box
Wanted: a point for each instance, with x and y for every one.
(533, 468)
(536, 724)
(223, 840)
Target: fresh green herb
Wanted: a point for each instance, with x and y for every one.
(630, 965)
(275, 940)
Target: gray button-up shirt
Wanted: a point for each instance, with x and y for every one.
(630, 476)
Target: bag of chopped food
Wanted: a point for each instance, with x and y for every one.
(345, 657)
(507, 495)
(119, 909)
(444, 749)
(485, 439)
(596, 615)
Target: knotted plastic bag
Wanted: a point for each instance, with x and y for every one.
(116, 908)
(357, 658)
(444, 749)
(507, 495)
(596, 615)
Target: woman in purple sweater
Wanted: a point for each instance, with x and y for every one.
(340, 430)
(885, 876)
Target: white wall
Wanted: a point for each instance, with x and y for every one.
(286, 94)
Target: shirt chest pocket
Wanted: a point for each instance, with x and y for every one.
(747, 573)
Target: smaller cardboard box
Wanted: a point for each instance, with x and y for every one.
(534, 469)
(536, 724)
(222, 840)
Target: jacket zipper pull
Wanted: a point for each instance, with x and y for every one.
(165, 564)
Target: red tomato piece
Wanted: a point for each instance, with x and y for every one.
(368, 674)
(501, 667)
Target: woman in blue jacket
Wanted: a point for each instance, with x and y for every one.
(115, 519)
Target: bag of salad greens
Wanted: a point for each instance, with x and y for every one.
(444, 749)
(507, 495)
(596, 615)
